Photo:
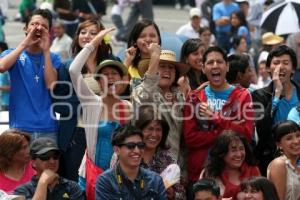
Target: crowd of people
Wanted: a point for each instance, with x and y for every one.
(219, 121)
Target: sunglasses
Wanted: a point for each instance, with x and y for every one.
(132, 145)
(47, 156)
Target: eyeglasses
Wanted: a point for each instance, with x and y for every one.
(132, 145)
(48, 155)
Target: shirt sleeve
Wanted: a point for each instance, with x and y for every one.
(294, 115)
(75, 192)
(56, 61)
(161, 189)
(24, 191)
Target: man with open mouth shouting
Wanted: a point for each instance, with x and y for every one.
(32, 69)
(213, 108)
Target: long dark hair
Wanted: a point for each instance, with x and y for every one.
(103, 51)
(135, 33)
(243, 22)
(262, 184)
(216, 164)
(190, 46)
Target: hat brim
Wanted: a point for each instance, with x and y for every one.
(45, 150)
(182, 68)
(273, 41)
(112, 63)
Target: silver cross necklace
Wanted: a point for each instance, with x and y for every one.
(37, 62)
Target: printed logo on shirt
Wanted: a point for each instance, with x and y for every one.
(216, 104)
(66, 196)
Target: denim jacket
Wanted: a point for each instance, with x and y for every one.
(148, 185)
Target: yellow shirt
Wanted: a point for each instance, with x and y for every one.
(133, 72)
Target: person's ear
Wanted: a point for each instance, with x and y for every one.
(116, 150)
(25, 30)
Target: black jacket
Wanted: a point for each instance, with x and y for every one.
(266, 147)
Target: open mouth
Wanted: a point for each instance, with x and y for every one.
(282, 74)
(216, 76)
(166, 76)
(38, 34)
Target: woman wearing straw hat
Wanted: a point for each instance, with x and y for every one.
(159, 89)
(101, 114)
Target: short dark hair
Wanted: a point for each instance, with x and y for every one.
(236, 40)
(262, 184)
(283, 128)
(45, 13)
(214, 49)
(237, 63)
(206, 184)
(282, 50)
(123, 132)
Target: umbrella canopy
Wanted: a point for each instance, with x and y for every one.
(170, 41)
(282, 17)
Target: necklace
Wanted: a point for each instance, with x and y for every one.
(37, 62)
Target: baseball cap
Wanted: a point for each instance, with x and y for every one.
(42, 145)
(195, 12)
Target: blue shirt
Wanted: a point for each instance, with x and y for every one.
(224, 10)
(104, 150)
(30, 102)
(294, 115)
(284, 106)
(4, 95)
(217, 99)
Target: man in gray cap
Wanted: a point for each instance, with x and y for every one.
(46, 184)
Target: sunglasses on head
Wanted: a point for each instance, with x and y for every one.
(132, 145)
(46, 156)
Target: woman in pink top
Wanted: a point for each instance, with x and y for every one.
(15, 166)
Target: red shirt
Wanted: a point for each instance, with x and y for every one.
(9, 185)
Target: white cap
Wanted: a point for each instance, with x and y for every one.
(241, 1)
(195, 12)
(263, 56)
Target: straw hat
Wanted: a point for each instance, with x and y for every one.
(270, 38)
(165, 56)
(120, 66)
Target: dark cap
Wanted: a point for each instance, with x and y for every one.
(42, 145)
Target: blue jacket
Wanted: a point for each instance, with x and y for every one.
(107, 186)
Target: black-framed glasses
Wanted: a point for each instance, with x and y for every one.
(46, 156)
(132, 145)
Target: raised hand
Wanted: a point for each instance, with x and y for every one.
(99, 37)
(49, 177)
(44, 40)
(31, 37)
(205, 110)
(130, 55)
(154, 49)
(277, 83)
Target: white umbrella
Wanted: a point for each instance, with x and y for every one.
(282, 17)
